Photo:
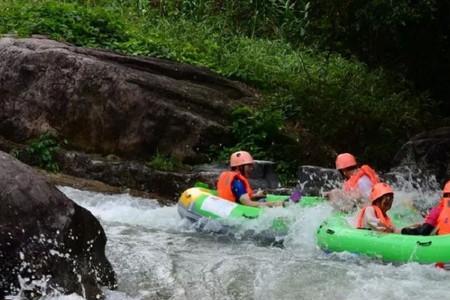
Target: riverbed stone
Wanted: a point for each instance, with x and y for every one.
(313, 180)
(107, 103)
(428, 152)
(47, 241)
(167, 185)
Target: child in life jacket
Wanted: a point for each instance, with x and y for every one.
(438, 219)
(358, 183)
(375, 216)
(233, 185)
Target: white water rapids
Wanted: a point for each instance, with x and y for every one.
(158, 256)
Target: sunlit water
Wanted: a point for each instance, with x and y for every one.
(157, 255)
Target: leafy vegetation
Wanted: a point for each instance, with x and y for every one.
(41, 152)
(164, 163)
(410, 37)
(279, 47)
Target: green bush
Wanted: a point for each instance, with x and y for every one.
(338, 100)
(164, 163)
(257, 18)
(41, 152)
(254, 131)
(90, 27)
(356, 110)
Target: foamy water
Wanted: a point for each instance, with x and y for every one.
(157, 255)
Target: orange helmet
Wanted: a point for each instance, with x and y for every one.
(447, 188)
(240, 158)
(345, 160)
(380, 189)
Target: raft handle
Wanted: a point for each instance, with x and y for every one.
(330, 231)
(425, 244)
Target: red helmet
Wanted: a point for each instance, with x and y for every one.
(380, 189)
(240, 158)
(345, 160)
(447, 188)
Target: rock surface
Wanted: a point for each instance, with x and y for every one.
(429, 152)
(167, 185)
(108, 103)
(423, 163)
(109, 174)
(314, 180)
(46, 240)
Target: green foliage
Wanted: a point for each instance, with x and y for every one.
(256, 131)
(342, 102)
(43, 150)
(91, 27)
(254, 18)
(354, 109)
(253, 131)
(164, 163)
(409, 37)
(262, 133)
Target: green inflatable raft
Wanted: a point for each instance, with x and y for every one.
(200, 205)
(336, 234)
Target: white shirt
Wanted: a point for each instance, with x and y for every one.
(369, 219)
(365, 186)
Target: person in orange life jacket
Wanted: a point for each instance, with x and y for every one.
(234, 186)
(438, 218)
(358, 180)
(375, 216)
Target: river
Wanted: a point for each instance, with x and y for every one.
(157, 255)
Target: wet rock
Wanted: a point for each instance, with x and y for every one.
(126, 173)
(61, 179)
(423, 163)
(47, 242)
(313, 180)
(428, 153)
(263, 175)
(106, 103)
(166, 185)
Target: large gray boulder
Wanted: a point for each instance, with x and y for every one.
(428, 152)
(47, 241)
(313, 180)
(106, 103)
(263, 175)
(166, 184)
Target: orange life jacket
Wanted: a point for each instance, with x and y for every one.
(443, 225)
(364, 170)
(224, 185)
(385, 220)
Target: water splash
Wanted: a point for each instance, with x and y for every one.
(159, 256)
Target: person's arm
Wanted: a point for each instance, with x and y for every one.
(245, 200)
(259, 194)
(373, 222)
(241, 194)
(429, 224)
(433, 215)
(423, 229)
(345, 200)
